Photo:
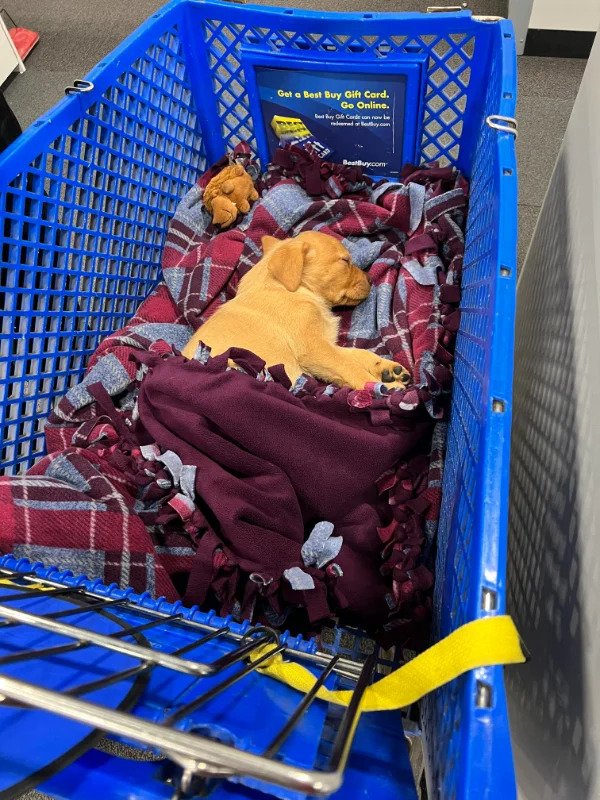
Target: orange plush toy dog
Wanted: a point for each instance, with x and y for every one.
(230, 192)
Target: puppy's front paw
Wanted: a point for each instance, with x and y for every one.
(394, 375)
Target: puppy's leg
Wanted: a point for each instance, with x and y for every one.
(352, 367)
(333, 364)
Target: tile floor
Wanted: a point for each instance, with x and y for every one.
(547, 91)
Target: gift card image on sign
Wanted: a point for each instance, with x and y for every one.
(352, 118)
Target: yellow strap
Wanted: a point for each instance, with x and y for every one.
(482, 643)
(36, 586)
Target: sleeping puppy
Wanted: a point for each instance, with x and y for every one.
(282, 312)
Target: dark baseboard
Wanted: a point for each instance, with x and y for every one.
(559, 44)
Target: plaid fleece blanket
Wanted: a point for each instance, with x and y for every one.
(285, 504)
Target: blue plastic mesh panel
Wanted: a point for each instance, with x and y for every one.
(449, 68)
(458, 586)
(470, 389)
(83, 234)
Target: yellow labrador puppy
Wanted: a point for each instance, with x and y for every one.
(282, 312)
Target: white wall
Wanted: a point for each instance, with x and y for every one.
(566, 15)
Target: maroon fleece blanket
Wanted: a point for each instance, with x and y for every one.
(289, 505)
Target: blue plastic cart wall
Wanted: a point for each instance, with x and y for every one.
(87, 193)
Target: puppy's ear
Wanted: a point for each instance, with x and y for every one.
(268, 243)
(286, 262)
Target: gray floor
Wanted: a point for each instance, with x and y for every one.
(547, 91)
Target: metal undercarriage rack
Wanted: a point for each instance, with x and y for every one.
(187, 691)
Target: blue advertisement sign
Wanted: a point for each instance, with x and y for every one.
(352, 118)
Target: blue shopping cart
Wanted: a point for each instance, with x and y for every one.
(87, 193)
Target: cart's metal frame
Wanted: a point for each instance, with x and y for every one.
(195, 754)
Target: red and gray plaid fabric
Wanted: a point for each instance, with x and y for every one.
(102, 504)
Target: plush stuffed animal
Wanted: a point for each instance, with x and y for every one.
(230, 192)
